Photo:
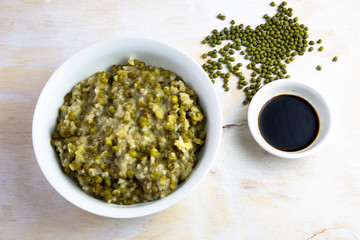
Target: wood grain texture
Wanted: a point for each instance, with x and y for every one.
(248, 194)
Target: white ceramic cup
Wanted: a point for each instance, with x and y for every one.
(290, 87)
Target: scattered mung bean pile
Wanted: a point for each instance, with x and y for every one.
(268, 47)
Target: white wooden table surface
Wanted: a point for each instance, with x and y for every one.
(248, 194)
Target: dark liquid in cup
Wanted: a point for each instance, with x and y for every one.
(289, 123)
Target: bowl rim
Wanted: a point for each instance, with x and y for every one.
(271, 90)
(137, 210)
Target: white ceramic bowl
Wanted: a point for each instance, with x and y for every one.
(290, 87)
(100, 57)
